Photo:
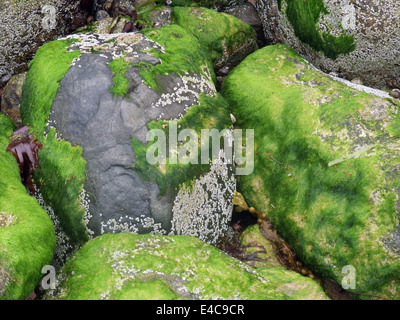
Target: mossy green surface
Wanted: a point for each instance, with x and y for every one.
(200, 3)
(332, 216)
(210, 113)
(304, 17)
(119, 67)
(266, 251)
(219, 33)
(27, 236)
(183, 54)
(129, 266)
(61, 176)
(62, 169)
(296, 286)
(51, 63)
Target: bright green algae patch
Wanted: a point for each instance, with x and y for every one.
(183, 54)
(119, 67)
(200, 3)
(332, 216)
(210, 113)
(62, 169)
(46, 70)
(304, 17)
(61, 176)
(27, 236)
(129, 266)
(219, 33)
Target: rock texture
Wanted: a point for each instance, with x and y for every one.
(11, 98)
(355, 39)
(107, 92)
(326, 167)
(26, 25)
(248, 14)
(227, 39)
(145, 267)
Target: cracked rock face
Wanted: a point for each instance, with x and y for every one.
(373, 26)
(23, 31)
(85, 112)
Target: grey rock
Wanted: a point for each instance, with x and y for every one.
(161, 17)
(248, 14)
(374, 26)
(101, 15)
(22, 31)
(86, 113)
(395, 93)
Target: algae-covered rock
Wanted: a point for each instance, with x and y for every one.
(11, 98)
(26, 232)
(227, 39)
(128, 266)
(262, 250)
(356, 39)
(212, 4)
(26, 25)
(326, 167)
(93, 99)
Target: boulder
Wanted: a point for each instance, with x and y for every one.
(212, 4)
(26, 232)
(227, 39)
(247, 13)
(26, 25)
(326, 168)
(147, 267)
(11, 98)
(355, 39)
(93, 115)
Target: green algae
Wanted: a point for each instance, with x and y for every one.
(296, 286)
(304, 17)
(121, 83)
(182, 267)
(182, 54)
(200, 3)
(61, 176)
(254, 242)
(210, 111)
(61, 166)
(46, 70)
(327, 213)
(220, 33)
(26, 244)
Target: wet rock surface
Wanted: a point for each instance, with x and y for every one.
(248, 14)
(128, 267)
(325, 167)
(26, 25)
(110, 122)
(92, 98)
(80, 112)
(27, 236)
(355, 39)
